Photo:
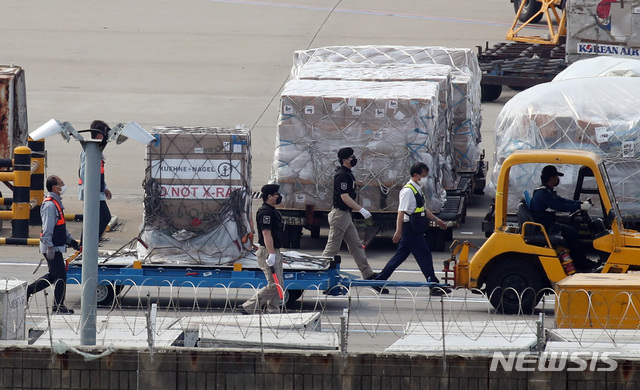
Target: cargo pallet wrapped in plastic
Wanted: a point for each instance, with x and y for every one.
(466, 76)
(604, 66)
(197, 196)
(440, 74)
(391, 125)
(595, 114)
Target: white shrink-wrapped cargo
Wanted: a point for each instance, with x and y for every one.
(603, 27)
(462, 60)
(604, 66)
(390, 125)
(596, 114)
(466, 76)
(367, 71)
(440, 74)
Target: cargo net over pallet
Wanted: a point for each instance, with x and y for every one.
(394, 105)
(197, 206)
(590, 114)
(408, 63)
(389, 133)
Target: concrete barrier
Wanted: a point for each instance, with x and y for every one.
(196, 368)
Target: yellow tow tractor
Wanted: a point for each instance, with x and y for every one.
(519, 263)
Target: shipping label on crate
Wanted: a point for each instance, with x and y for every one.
(233, 147)
(188, 169)
(213, 192)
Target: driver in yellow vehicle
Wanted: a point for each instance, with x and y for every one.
(545, 202)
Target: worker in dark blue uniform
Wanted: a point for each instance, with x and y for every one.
(270, 231)
(543, 206)
(53, 243)
(411, 225)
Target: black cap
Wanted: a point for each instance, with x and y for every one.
(548, 172)
(270, 189)
(345, 153)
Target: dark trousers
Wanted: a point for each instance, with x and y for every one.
(572, 239)
(57, 277)
(412, 242)
(105, 217)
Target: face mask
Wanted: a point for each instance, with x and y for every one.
(63, 189)
(279, 199)
(423, 181)
(354, 162)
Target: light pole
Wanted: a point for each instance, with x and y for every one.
(90, 222)
(91, 216)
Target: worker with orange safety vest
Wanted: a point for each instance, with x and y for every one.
(53, 243)
(99, 130)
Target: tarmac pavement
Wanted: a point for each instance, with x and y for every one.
(208, 63)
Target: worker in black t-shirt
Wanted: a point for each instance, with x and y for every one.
(270, 228)
(341, 225)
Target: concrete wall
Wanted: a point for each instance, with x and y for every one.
(37, 368)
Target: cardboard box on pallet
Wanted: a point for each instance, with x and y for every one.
(198, 142)
(466, 72)
(298, 195)
(390, 125)
(466, 146)
(440, 74)
(465, 75)
(192, 172)
(464, 106)
(375, 197)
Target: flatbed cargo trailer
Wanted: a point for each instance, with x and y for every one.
(301, 273)
(454, 213)
(518, 65)
(310, 273)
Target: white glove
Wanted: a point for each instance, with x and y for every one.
(366, 214)
(586, 206)
(51, 252)
(271, 260)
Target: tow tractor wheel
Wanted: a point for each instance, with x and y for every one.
(106, 295)
(530, 9)
(515, 286)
